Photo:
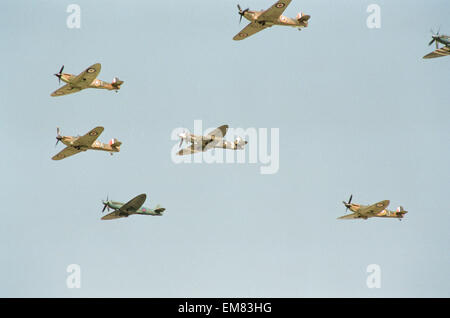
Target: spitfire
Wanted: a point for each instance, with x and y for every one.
(260, 20)
(212, 140)
(439, 52)
(86, 79)
(369, 211)
(134, 206)
(83, 143)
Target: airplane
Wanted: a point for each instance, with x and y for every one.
(86, 79)
(439, 52)
(82, 143)
(259, 20)
(134, 206)
(214, 139)
(369, 211)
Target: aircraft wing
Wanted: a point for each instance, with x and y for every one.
(134, 204)
(66, 152)
(249, 30)
(274, 12)
(443, 51)
(85, 78)
(374, 208)
(89, 138)
(189, 150)
(113, 215)
(349, 216)
(65, 90)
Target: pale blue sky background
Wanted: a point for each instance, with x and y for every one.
(358, 110)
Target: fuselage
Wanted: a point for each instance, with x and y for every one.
(96, 83)
(444, 41)
(143, 210)
(216, 142)
(96, 145)
(357, 208)
(253, 16)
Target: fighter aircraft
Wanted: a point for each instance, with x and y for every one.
(86, 79)
(134, 206)
(369, 211)
(259, 20)
(83, 143)
(443, 51)
(212, 140)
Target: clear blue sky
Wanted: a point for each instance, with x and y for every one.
(359, 113)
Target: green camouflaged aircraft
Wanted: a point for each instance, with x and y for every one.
(134, 206)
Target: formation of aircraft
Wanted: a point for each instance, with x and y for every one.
(86, 142)
(439, 52)
(369, 211)
(134, 206)
(260, 20)
(86, 79)
(214, 139)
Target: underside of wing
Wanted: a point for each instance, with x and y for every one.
(134, 204)
(443, 51)
(249, 30)
(350, 216)
(85, 78)
(89, 138)
(189, 150)
(113, 215)
(274, 11)
(65, 90)
(66, 152)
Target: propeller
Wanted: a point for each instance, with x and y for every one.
(435, 37)
(348, 204)
(105, 205)
(182, 136)
(59, 74)
(242, 12)
(58, 136)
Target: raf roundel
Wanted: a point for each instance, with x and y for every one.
(90, 70)
(93, 133)
(243, 35)
(280, 5)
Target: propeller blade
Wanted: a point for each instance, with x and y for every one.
(59, 74)
(104, 207)
(437, 46)
(431, 42)
(350, 200)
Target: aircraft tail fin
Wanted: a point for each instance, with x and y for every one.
(114, 143)
(401, 211)
(159, 209)
(303, 18)
(116, 82)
